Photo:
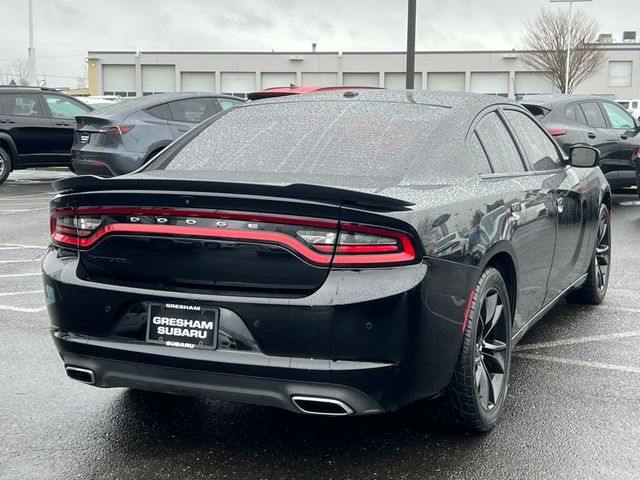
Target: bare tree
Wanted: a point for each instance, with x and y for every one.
(545, 41)
(17, 71)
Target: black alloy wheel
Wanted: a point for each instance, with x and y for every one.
(594, 289)
(478, 388)
(491, 350)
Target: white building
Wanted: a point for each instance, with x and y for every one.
(496, 72)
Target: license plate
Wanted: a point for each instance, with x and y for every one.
(182, 326)
(85, 137)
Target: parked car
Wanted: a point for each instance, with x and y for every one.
(596, 121)
(121, 138)
(632, 106)
(97, 103)
(36, 128)
(285, 253)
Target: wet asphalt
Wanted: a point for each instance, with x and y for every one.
(572, 411)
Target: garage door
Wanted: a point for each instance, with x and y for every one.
(361, 79)
(198, 81)
(449, 81)
(158, 79)
(119, 80)
(238, 83)
(278, 79)
(531, 83)
(319, 79)
(398, 81)
(496, 83)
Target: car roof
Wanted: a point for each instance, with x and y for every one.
(126, 108)
(550, 100)
(469, 101)
(293, 90)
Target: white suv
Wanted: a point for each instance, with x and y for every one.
(632, 106)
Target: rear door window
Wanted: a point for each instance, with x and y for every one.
(65, 108)
(161, 111)
(193, 110)
(593, 115)
(226, 103)
(498, 144)
(21, 104)
(538, 147)
(618, 117)
(478, 160)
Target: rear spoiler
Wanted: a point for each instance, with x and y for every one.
(300, 191)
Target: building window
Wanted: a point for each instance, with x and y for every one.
(398, 80)
(495, 83)
(452, 81)
(319, 79)
(158, 79)
(361, 79)
(119, 80)
(531, 83)
(277, 79)
(620, 73)
(238, 83)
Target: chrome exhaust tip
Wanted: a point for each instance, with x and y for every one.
(321, 406)
(81, 375)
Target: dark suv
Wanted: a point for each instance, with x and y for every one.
(121, 138)
(36, 128)
(596, 121)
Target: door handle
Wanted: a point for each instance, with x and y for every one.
(591, 135)
(623, 137)
(7, 121)
(62, 124)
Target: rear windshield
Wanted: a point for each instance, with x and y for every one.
(329, 137)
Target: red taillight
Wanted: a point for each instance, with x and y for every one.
(115, 129)
(556, 132)
(321, 242)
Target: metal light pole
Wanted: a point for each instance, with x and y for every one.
(411, 44)
(569, 39)
(33, 79)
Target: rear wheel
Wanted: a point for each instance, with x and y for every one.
(477, 391)
(594, 289)
(5, 165)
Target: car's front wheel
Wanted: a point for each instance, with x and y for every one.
(477, 391)
(5, 165)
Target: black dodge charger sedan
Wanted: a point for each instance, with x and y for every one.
(338, 253)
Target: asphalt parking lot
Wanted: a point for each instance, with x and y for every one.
(572, 410)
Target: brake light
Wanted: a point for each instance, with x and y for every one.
(115, 129)
(321, 242)
(556, 132)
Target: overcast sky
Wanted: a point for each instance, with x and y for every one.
(66, 29)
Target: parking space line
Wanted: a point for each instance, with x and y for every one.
(27, 292)
(21, 261)
(20, 246)
(14, 275)
(576, 341)
(580, 363)
(22, 309)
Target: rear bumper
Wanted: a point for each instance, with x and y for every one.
(376, 340)
(105, 163)
(271, 392)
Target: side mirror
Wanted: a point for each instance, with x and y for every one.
(585, 157)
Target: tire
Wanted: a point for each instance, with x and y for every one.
(594, 289)
(5, 165)
(476, 394)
